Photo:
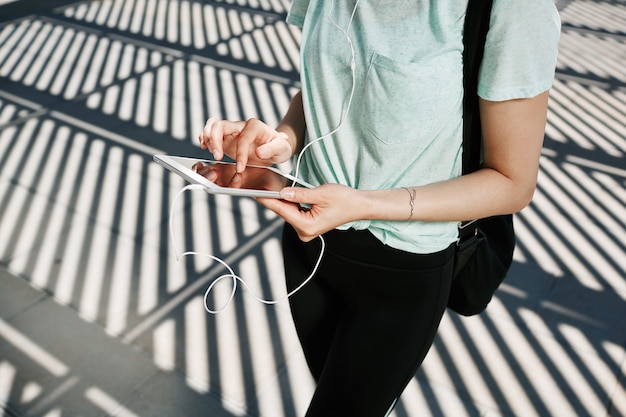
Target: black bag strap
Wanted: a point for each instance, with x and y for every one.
(474, 36)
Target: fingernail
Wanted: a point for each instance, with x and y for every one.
(240, 167)
(216, 154)
(288, 194)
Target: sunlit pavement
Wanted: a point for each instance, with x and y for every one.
(99, 318)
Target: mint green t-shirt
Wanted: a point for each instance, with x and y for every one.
(402, 124)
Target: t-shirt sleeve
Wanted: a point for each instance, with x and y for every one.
(520, 51)
(297, 11)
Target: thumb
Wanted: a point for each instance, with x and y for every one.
(277, 150)
(296, 195)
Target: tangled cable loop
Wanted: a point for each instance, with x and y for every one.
(231, 273)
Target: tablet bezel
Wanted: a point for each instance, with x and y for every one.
(175, 165)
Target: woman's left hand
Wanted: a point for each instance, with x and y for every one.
(331, 205)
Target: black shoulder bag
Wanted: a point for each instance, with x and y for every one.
(485, 246)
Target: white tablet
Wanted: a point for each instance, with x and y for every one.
(219, 177)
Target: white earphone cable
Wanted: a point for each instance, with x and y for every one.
(346, 110)
(231, 274)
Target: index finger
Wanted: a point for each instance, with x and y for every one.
(246, 137)
(254, 132)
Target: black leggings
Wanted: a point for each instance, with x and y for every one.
(367, 318)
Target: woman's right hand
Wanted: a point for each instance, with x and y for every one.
(249, 142)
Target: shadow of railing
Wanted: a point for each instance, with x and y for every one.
(89, 91)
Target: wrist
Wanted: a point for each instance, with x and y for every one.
(412, 193)
(397, 204)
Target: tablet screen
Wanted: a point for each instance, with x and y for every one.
(222, 178)
(224, 174)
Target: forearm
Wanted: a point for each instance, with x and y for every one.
(482, 194)
(293, 124)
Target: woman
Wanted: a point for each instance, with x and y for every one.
(381, 107)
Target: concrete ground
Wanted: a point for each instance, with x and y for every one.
(99, 318)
